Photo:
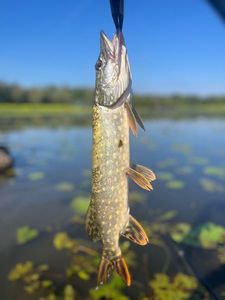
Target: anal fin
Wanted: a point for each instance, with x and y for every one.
(135, 232)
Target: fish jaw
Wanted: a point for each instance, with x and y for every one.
(113, 75)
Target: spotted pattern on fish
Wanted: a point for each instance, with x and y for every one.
(108, 210)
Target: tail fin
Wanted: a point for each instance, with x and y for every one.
(107, 267)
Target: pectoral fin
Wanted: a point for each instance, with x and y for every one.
(131, 119)
(139, 179)
(138, 118)
(135, 232)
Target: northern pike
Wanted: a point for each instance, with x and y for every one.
(108, 215)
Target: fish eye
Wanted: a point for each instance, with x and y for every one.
(98, 64)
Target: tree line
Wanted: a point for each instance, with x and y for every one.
(13, 93)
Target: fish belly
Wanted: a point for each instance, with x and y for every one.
(109, 201)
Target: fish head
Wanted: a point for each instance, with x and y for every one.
(113, 75)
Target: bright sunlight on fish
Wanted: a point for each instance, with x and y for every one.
(108, 215)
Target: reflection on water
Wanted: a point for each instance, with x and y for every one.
(42, 211)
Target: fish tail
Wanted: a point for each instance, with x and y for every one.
(107, 266)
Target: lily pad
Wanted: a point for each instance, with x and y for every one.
(63, 241)
(20, 270)
(167, 163)
(26, 234)
(65, 187)
(69, 292)
(197, 160)
(36, 176)
(112, 290)
(210, 185)
(206, 235)
(168, 215)
(185, 170)
(214, 171)
(175, 184)
(165, 176)
(180, 288)
(136, 197)
(182, 148)
(179, 231)
(80, 204)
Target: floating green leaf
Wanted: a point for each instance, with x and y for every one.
(214, 171)
(167, 163)
(20, 270)
(65, 187)
(136, 197)
(26, 234)
(165, 176)
(211, 235)
(180, 288)
(185, 149)
(179, 231)
(80, 205)
(63, 241)
(111, 290)
(168, 215)
(175, 184)
(196, 160)
(210, 185)
(221, 254)
(69, 293)
(36, 176)
(185, 170)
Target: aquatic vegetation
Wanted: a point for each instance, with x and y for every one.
(165, 176)
(31, 276)
(181, 287)
(25, 234)
(182, 148)
(63, 241)
(65, 187)
(168, 215)
(206, 235)
(221, 254)
(20, 270)
(36, 176)
(111, 291)
(175, 184)
(214, 171)
(136, 197)
(211, 235)
(80, 204)
(197, 160)
(185, 170)
(169, 162)
(210, 185)
(179, 231)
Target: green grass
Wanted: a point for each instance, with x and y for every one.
(146, 109)
(42, 109)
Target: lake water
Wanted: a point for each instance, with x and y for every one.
(184, 214)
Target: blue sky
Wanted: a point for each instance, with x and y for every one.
(175, 46)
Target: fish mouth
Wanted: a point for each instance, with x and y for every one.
(112, 49)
